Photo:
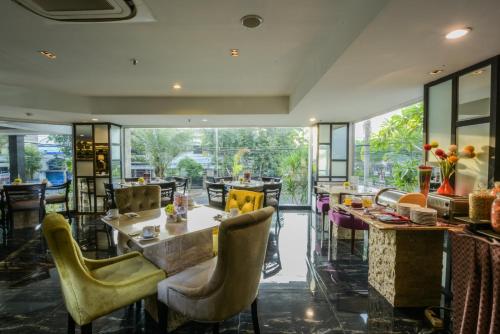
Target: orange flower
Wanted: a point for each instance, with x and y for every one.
(453, 159)
(469, 148)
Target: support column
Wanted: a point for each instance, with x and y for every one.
(16, 157)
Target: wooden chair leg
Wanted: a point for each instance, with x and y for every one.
(162, 317)
(255, 318)
(86, 329)
(71, 324)
(215, 328)
(353, 236)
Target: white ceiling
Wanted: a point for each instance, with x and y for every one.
(337, 60)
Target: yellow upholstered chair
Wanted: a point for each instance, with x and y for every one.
(246, 201)
(93, 288)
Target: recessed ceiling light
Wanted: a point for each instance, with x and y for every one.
(458, 33)
(204, 120)
(312, 119)
(235, 52)
(95, 119)
(82, 135)
(176, 86)
(48, 54)
(251, 21)
(481, 71)
(436, 72)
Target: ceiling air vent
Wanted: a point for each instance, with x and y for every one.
(81, 10)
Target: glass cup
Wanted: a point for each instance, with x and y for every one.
(367, 202)
(348, 200)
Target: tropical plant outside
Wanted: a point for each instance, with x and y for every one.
(279, 152)
(32, 160)
(394, 150)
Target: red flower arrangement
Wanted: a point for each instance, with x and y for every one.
(448, 162)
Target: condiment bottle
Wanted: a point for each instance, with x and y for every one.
(495, 214)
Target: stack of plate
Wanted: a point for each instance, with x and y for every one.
(405, 208)
(423, 216)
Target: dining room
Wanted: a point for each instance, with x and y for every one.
(249, 166)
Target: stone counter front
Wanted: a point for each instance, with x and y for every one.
(405, 266)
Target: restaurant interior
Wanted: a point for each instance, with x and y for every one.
(324, 166)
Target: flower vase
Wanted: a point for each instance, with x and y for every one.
(424, 179)
(446, 188)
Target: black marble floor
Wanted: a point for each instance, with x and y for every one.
(300, 291)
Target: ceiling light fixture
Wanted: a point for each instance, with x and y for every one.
(458, 33)
(204, 120)
(177, 86)
(312, 119)
(48, 54)
(436, 72)
(95, 119)
(235, 53)
(251, 21)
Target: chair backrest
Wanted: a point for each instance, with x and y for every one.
(86, 184)
(216, 194)
(414, 198)
(244, 200)
(140, 198)
(270, 179)
(225, 178)
(24, 192)
(74, 274)
(181, 183)
(110, 194)
(242, 248)
(168, 190)
(131, 179)
(272, 191)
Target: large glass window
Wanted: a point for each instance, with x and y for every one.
(204, 153)
(388, 148)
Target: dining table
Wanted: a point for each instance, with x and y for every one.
(177, 245)
(405, 260)
(252, 185)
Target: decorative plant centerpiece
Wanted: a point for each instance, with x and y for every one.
(18, 180)
(447, 164)
(347, 185)
(171, 214)
(141, 180)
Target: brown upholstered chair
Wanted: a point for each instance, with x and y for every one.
(139, 198)
(226, 284)
(135, 199)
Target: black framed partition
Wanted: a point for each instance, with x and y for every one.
(332, 152)
(97, 160)
(462, 108)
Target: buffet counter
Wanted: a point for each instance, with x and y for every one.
(405, 260)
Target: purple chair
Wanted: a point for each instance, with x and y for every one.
(322, 206)
(346, 220)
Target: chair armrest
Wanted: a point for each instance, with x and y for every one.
(96, 264)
